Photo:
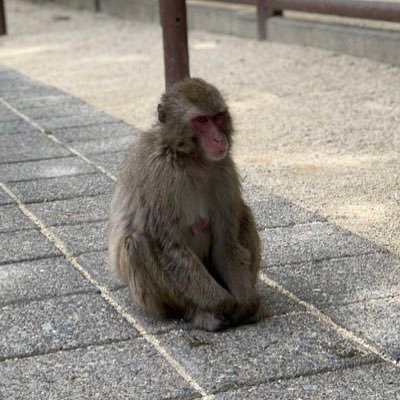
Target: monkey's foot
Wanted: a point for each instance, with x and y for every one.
(259, 315)
(209, 322)
(253, 318)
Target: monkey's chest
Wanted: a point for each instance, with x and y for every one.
(198, 237)
(196, 228)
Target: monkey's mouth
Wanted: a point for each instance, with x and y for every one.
(218, 155)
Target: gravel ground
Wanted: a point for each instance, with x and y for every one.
(318, 128)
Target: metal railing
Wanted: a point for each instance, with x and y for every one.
(374, 10)
(173, 21)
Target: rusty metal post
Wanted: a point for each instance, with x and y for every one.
(262, 19)
(97, 5)
(3, 27)
(263, 13)
(175, 39)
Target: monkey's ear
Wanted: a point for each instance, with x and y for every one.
(162, 115)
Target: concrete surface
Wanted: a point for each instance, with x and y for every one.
(61, 188)
(367, 382)
(377, 44)
(317, 139)
(121, 370)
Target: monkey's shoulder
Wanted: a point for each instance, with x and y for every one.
(150, 151)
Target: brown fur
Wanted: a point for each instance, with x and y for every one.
(166, 184)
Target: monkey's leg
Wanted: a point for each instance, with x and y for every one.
(201, 319)
(171, 282)
(138, 268)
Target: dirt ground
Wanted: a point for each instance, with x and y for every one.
(318, 128)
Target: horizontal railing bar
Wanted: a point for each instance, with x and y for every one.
(364, 9)
(376, 10)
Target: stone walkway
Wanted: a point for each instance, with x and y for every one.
(69, 331)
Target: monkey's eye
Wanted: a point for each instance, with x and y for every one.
(201, 120)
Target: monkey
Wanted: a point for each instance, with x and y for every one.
(180, 234)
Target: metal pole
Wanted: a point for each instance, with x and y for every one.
(97, 5)
(262, 19)
(3, 27)
(174, 27)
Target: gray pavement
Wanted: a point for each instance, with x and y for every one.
(70, 331)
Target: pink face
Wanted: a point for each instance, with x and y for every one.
(213, 141)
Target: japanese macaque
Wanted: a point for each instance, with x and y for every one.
(180, 235)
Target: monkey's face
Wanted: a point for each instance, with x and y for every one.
(208, 132)
(196, 120)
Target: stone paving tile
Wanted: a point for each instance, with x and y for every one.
(11, 79)
(30, 280)
(110, 161)
(97, 264)
(365, 382)
(101, 131)
(375, 320)
(77, 210)
(25, 245)
(83, 238)
(275, 211)
(315, 241)
(125, 370)
(71, 107)
(60, 323)
(18, 126)
(5, 199)
(12, 219)
(274, 302)
(7, 115)
(103, 145)
(58, 103)
(341, 281)
(277, 348)
(15, 88)
(96, 117)
(150, 324)
(44, 169)
(64, 187)
(34, 146)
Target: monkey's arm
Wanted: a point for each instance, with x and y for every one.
(190, 279)
(236, 257)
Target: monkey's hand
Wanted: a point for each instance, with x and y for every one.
(226, 307)
(248, 311)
